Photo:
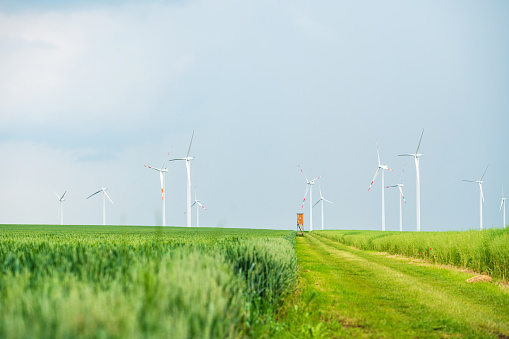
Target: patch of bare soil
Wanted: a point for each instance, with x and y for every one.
(480, 278)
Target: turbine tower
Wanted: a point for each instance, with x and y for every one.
(187, 159)
(309, 187)
(322, 199)
(105, 195)
(416, 156)
(61, 207)
(481, 196)
(161, 171)
(400, 185)
(380, 167)
(503, 203)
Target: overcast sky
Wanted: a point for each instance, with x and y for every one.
(94, 90)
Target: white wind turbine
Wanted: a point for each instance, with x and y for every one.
(161, 171)
(381, 167)
(309, 187)
(400, 185)
(61, 207)
(503, 203)
(188, 167)
(198, 205)
(322, 199)
(103, 189)
(481, 195)
(416, 156)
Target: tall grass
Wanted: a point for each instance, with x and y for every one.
(141, 282)
(484, 251)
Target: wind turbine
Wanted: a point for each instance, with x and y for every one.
(400, 185)
(103, 189)
(481, 196)
(380, 167)
(416, 156)
(503, 203)
(161, 171)
(309, 187)
(322, 199)
(187, 160)
(198, 205)
(61, 207)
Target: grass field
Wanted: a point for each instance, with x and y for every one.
(139, 282)
(345, 292)
(92, 281)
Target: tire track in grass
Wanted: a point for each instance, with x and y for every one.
(362, 294)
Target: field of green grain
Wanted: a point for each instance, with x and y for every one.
(140, 282)
(143, 282)
(484, 251)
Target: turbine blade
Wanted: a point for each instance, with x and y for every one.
(317, 202)
(94, 194)
(418, 146)
(305, 195)
(317, 178)
(378, 154)
(193, 204)
(189, 150)
(501, 203)
(108, 196)
(372, 181)
(58, 197)
(201, 205)
(156, 169)
(63, 195)
(401, 176)
(469, 180)
(328, 201)
(303, 173)
(402, 195)
(406, 155)
(484, 172)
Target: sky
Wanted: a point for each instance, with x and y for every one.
(91, 91)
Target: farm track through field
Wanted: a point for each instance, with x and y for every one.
(363, 294)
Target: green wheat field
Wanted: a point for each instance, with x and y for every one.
(172, 282)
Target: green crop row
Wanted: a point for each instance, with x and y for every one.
(136, 282)
(484, 251)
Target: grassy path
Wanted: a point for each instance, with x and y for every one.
(350, 293)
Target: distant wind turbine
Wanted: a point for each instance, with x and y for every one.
(187, 159)
(161, 171)
(198, 205)
(503, 203)
(402, 196)
(380, 167)
(322, 199)
(105, 195)
(309, 187)
(481, 195)
(61, 207)
(416, 156)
